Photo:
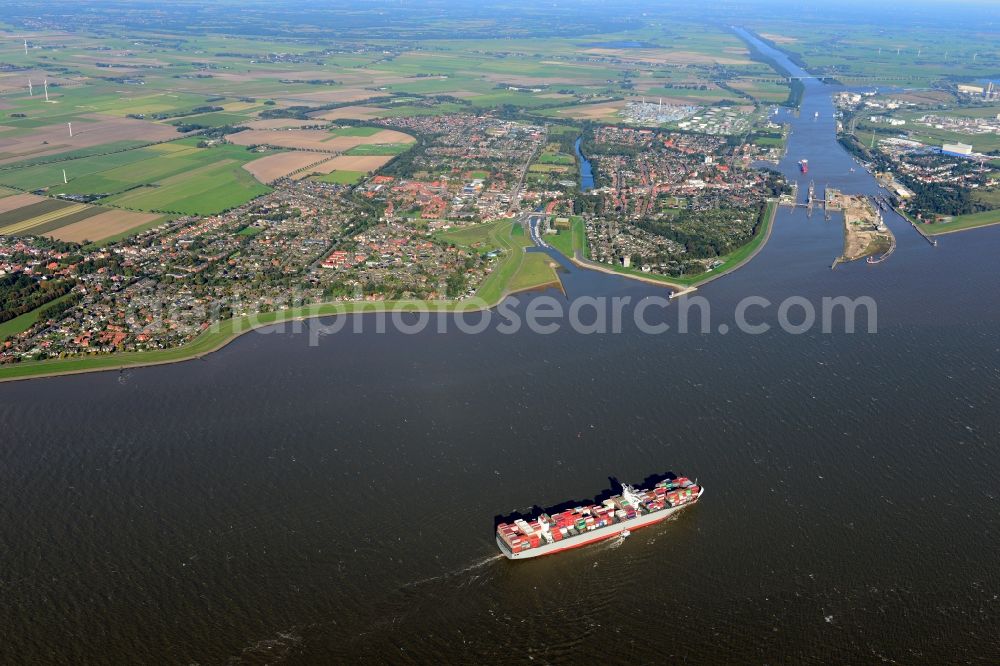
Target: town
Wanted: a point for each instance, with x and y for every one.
(915, 143)
(673, 203)
(666, 202)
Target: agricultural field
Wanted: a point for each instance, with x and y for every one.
(89, 131)
(569, 241)
(378, 149)
(33, 218)
(348, 112)
(318, 140)
(340, 177)
(916, 56)
(351, 130)
(205, 190)
(174, 177)
(281, 165)
(104, 225)
(597, 111)
(362, 163)
(127, 100)
(29, 215)
(10, 201)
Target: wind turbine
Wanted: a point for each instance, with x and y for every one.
(31, 91)
(65, 181)
(46, 84)
(26, 47)
(70, 130)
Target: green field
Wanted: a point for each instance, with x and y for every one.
(915, 131)
(176, 177)
(508, 276)
(960, 222)
(379, 149)
(103, 149)
(570, 241)
(24, 322)
(914, 55)
(534, 271)
(207, 190)
(769, 142)
(356, 131)
(479, 236)
(214, 119)
(556, 158)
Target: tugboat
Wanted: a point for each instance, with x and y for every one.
(804, 166)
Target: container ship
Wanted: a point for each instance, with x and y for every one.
(632, 509)
(804, 166)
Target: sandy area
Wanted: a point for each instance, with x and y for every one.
(102, 225)
(16, 201)
(269, 169)
(863, 231)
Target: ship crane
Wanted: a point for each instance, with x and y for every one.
(630, 494)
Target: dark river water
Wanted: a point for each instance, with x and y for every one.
(586, 170)
(279, 501)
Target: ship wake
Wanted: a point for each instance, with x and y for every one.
(470, 568)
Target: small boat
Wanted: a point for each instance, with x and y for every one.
(626, 533)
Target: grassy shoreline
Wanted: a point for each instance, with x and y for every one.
(498, 285)
(495, 288)
(733, 261)
(959, 223)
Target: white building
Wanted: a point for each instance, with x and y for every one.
(957, 148)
